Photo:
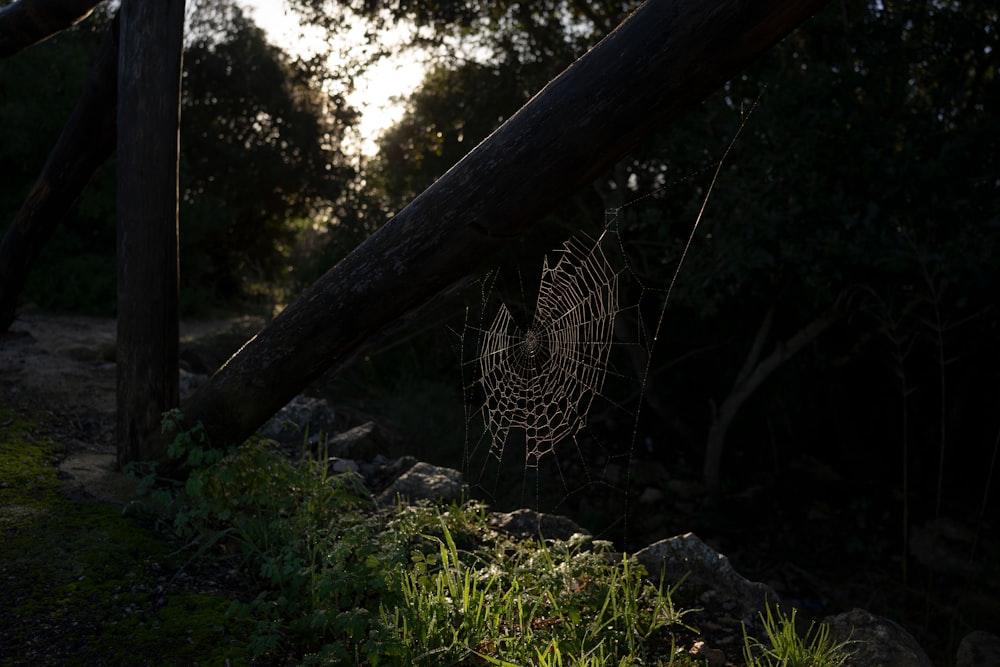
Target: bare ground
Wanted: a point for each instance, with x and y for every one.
(64, 367)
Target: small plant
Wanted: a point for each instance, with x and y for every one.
(526, 603)
(170, 500)
(344, 582)
(788, 649)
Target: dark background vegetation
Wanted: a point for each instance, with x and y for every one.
(866, 180)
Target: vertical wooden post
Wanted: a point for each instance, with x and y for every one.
(149, 70)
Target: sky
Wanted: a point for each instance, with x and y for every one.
(392, 77)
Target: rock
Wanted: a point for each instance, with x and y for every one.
(713, 657)
(190, 382)
(381, 472)
(344, 465)
(943, 545)
(709, 576)
(978, 649)
(303, 416)
(425, 482)
(875, 641)
(650, 496)
(359, 442)
(526, 524)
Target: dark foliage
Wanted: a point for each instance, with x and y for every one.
(261, 156)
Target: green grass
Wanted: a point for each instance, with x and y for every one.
(530, 603)
(346, 582)
(786, 648)
(79, 574)
(333, 579)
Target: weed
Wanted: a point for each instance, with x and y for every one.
(344, 582)
(788, 649)
(525, 603)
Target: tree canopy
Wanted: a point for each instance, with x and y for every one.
(865, 181)
(254, 120)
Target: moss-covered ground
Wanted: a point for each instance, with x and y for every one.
(83, 584)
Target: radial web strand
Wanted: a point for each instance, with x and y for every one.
(549, 378)
(555, 377)
(542, 379)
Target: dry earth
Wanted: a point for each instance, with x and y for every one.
(64, 366)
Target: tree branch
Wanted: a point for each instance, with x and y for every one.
(763, 333)
(749, 380)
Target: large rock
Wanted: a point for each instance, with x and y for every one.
(380, 472)
(876, 641)
(979, 649)
(360, 442)
(303, 417)
(706, 574)
(425, 482)
(526, 524)
(943, 545)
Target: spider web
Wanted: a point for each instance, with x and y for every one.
(553, 375)
(543, 378)
(562, 377)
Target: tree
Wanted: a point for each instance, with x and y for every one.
(254, 121)
(649, 71)
(882, 169)
(283, 140)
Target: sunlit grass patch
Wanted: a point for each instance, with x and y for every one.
(786, 648)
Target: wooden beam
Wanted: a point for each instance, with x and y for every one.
(24, 23)
(664, 59)
(149, 75)
(87, 140)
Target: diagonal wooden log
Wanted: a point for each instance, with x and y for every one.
(87, 140)
(664, 59)
(24, 23)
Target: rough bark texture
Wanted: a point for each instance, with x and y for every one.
(149, 72)
(87, 140)
(668, 56)
(27, 22)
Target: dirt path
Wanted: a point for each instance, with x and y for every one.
(64, 367)
(63, 363)
(81, 581)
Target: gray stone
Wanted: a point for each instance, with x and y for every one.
(359, 442)
(303, 416)
(380, 472)
(527, 524)
(344, 465)
(190, 382)
(979, 649)
(424, 481)
(875, 641)
(943, 545)
(706, 574)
